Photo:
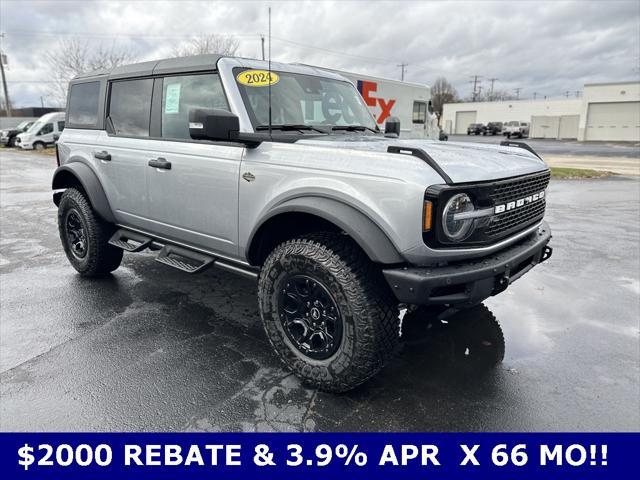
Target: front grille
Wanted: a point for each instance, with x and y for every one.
(514, 189)
(521, 217)
(489, 195)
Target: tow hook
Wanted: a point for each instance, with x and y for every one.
(501, 284)
(546, 254)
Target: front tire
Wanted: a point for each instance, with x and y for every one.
(85, 236)
(327, 311)
(39, 146)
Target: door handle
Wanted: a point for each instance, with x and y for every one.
(160, 163)
(106, 156)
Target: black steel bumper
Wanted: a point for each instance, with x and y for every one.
(471, 281)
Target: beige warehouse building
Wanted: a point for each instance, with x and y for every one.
(605, 112)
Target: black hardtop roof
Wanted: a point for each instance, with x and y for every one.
(155, 67)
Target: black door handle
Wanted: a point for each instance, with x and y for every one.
(106, 156)
(160, 163)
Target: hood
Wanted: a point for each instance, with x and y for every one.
(462, 162)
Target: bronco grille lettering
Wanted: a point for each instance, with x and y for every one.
(521, 202)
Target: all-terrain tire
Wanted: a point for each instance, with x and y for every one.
(478, 341)
(367, 307)
(99, 257)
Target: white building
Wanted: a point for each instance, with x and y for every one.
(605, 112)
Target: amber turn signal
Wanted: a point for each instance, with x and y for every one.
(426, 216)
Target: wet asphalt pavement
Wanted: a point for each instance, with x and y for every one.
(155, 349)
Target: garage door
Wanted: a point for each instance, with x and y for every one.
(463, 119)
(613, 122)
(544, 126)
(569, 127)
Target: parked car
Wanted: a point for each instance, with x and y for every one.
(345, 229)
(516, 129)
(43, 133)
(8, 136)
(475, 129)
(493, 128)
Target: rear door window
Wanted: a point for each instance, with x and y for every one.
(130, 107)
(60, 126)
(183, 93)
(83, 104)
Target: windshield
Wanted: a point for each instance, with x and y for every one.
(513, 124)
(303, 100)
(22, 125)
(35, 127)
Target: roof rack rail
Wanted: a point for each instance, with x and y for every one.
(509, 143)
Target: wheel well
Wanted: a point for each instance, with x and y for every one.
(283, 227)
(66, 179)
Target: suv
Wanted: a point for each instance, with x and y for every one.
(9, 136)
(516, 129)
(282, 176)
(475, 129)
(493, 128)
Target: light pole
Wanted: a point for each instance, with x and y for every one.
(7, 102)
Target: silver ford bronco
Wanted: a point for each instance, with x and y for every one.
(280, 173)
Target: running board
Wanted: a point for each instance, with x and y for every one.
(121, 239)
(183, 259)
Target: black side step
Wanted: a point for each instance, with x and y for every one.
(184, 259)
(523, 145)
(121, 239)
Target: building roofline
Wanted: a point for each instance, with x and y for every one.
(600, 84)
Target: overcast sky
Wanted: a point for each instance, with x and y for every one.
(543, 47)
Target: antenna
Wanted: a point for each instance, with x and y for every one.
(269, 75)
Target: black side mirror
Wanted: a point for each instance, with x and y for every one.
(392, 127)
(56, 137)
(430, 107)
(213, 124)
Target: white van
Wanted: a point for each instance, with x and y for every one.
(43, 133)
(409, 102)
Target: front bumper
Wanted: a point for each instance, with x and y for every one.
(470, 282)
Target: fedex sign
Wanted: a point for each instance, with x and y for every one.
(367, 89)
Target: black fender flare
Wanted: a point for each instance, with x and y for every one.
(356, 224)
(64, 178)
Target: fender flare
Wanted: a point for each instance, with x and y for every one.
(357, 225)
(90, 183)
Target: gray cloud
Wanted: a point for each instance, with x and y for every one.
(543, 47)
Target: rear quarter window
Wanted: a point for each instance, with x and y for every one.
(83, 104)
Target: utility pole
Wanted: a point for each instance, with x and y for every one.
(42, 101)
(262, 41)
(403, 67)
(491, 90)
(535, 94)
(475, 85)
(479, 90)
(577, 93)
(566, 94)
(7, 102)
(517, 90)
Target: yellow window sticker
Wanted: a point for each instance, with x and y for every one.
(257, 78)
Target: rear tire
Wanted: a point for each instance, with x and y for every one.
(12, 142)
(85, 236)
(362, 315)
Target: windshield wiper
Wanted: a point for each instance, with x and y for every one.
(354, 128)
(290, 127)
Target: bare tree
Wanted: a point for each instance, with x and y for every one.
(442, 92)
(71, 57)
(496, 96)
(212, 43)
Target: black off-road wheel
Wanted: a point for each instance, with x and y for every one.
(327, 311)
(85, 236)
(478, 341)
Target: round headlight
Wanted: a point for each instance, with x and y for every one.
(454, 225)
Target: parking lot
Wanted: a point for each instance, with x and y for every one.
(152, 348)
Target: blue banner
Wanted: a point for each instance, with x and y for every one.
(318, 455)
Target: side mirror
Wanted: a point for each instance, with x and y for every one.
(392, 127)
(430, 107)
(213, 124)
(56, 137)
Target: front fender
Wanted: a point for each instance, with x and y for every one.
(68, 174)
(357, 225)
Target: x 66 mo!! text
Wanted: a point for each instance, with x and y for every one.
(321, 455)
